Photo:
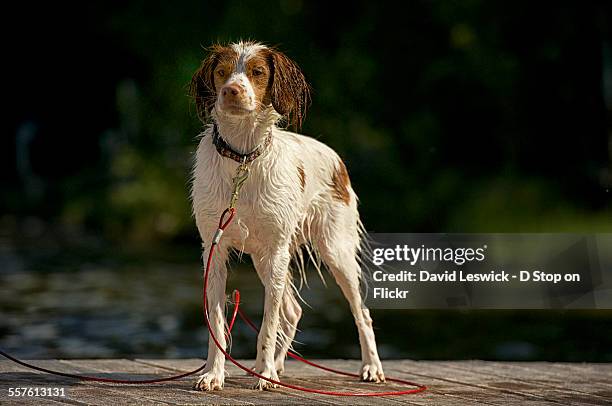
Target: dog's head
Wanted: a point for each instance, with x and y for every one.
(245, 78)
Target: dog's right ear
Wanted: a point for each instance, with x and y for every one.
(290, 93)
(202, 87)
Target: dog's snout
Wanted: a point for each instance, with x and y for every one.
(231, 90)
(234, 97)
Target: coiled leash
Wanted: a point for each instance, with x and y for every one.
(242, 173)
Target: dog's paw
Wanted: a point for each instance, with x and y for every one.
(372, 372)
(262, 384)
(210, 381)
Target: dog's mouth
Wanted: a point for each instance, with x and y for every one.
(236, 109)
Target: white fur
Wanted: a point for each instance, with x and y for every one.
(275, 217)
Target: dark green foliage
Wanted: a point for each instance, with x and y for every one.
(452, 116)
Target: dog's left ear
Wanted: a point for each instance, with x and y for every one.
(289, 91)
(202, 86)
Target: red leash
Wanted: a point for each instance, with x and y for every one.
(223, 224)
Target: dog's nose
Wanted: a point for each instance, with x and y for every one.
(231, 90)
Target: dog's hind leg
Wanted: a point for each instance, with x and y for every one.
(338, 246)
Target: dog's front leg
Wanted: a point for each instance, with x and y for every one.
(272, 268)
(213, 377)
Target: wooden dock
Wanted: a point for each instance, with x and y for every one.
(449, 382)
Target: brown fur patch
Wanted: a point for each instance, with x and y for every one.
(203, 87)
(258, 72)
(340, 184)
(289, 91)
(302, 176)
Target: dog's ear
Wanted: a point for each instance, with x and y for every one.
(202, 86)
(289, 92)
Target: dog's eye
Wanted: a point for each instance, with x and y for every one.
(221, 73)
(257, 71)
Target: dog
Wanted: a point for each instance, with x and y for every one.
(297, 199)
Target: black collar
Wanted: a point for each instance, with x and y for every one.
(224, 149)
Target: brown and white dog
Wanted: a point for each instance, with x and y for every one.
(298, 195)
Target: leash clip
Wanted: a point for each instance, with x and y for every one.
(217, 236)
(242, 173)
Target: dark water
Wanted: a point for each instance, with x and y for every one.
(92, 301)
(78, 303)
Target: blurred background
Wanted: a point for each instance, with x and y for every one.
(469, 116)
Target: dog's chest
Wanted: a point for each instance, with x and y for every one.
(265, 209)
(258, 222)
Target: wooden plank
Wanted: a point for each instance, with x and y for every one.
(238, 386)
(453, 391)
(467, 384)
(425, 398)
(601, 373)
(307, 376)
(174, 392)
(556, 376)
(536, 384)
(526, 391)
(449, 382)
(293, 375)
(25, 401)
(76, 392)
(131, 393)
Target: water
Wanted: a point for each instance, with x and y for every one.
(59, 307)
(90, 300)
